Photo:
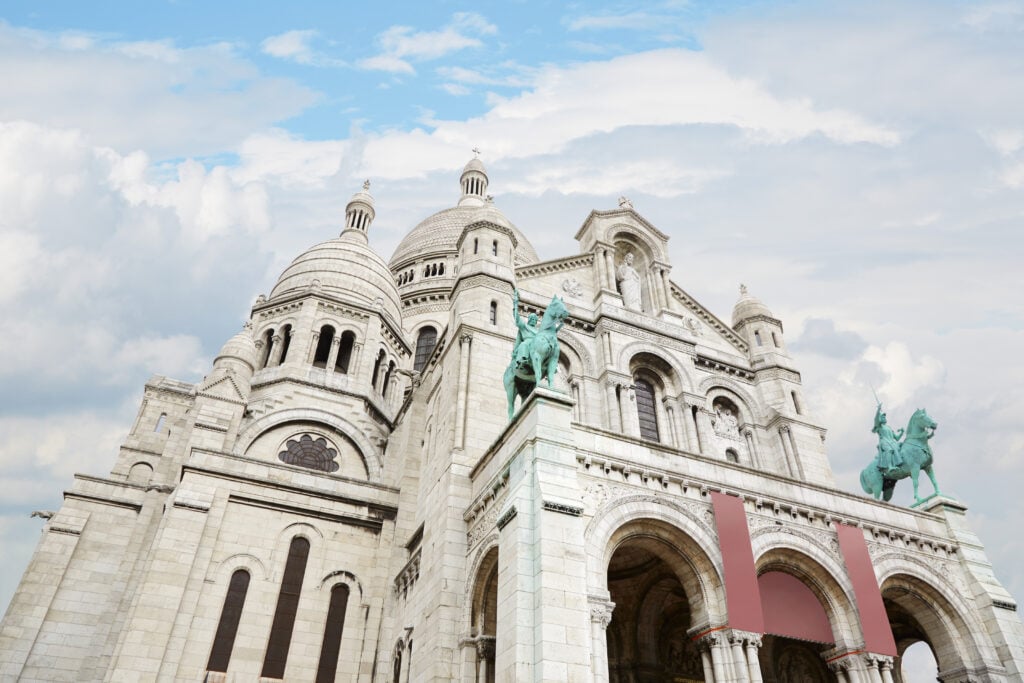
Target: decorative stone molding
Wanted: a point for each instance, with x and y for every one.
(570, 510)
(726, 368)
(555, 266)
(509, 515)
(485, 647)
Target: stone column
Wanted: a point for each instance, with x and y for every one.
(689, 427)
(312, 347)
(667, 287)
(753, 644)
(704, 430)
(748, 436)
(599, 265)
(630, 418)
(614, 410)
(885, 664)
(671, 406)
(465, 344)
(353, 362)
(876, 667)
(332, 355)
(714, 645)
(840, 668)
(577, 410)
(600, 617)
(609, 257)
(276, 347)
(484, 656)
(787, 449)
(739, 657)
(795, 452)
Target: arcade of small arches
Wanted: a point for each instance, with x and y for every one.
(332, 349)
(658, 613)
(651, 402)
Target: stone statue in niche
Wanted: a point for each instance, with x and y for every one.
(725, 422)
(629, 284)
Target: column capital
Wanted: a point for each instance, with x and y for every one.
(783, 429)
(710, 640)
(466, 338)
(747, 638)
(336, 341)
(485, 647)
(601, 612)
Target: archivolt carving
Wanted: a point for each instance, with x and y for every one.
(682, 380)
(713, 381)
(576, 345)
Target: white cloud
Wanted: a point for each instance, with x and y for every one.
(569, 103)
(455, 89)
(294, 45)
(402, 44)
(169, 101)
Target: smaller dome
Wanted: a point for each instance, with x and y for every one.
(748, 306)
(359, 211)
(240, 347)
(345, 266)
(475, 164)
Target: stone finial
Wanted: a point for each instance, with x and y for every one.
(625, 203)
(476, 152)
(366, 185)
(743, 289)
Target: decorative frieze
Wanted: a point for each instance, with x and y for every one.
(561, 508)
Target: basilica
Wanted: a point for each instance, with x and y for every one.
(343, 497)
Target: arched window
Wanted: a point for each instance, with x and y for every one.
(160, 422)
(286, 342)
(396, 667)
(775, 340)
(646, 409)
(348, 340)
(476, 245)
(268, 342)
(227, 628)
(494, 248)
(328, 667)
(494, 313)
(732, 455)
(323, 346)
(387, 380)
(757, 337)
(287, 604)
(796, 403)
(376, 369)
(440, 270)
(425, 342)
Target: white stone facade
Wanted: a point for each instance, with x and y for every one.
(325, 456)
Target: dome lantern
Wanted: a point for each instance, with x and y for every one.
(473, 182)
(359, 212)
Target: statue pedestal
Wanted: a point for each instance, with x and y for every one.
(938, 502)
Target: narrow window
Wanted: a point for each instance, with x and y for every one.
(731, 455)
(160, 422)
(494, 247)
(230, 615)
(645, 409)
(376, 369)
(286, 342)
(387, 379)
(757, 337)
(494, 312)
(323, 346)
(328, 667)
(476, 245)
(268, 342)
(396, 669)
(775, 340)
(348, 340)
(440, 269)
(426, 271)
(287, 604)
(425, 342)
(796, 403)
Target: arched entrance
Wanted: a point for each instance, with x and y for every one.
(657, 579)
(484, 617)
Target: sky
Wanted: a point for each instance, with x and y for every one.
(858, 165)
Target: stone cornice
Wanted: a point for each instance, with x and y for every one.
(555, 266)
(475, 225)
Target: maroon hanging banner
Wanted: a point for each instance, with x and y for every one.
(742, 598)
(873, 619)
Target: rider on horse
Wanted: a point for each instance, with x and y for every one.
(527, 330)
(888, 457)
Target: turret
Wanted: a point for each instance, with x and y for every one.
(359, 212)
(760, 329)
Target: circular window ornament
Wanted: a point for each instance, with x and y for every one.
(310, 451)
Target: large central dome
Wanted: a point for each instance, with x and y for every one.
(439, 233)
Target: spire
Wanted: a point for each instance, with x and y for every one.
(473, 182)
(359, 212)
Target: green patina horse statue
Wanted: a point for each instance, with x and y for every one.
(914, 455)
(535, 355)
